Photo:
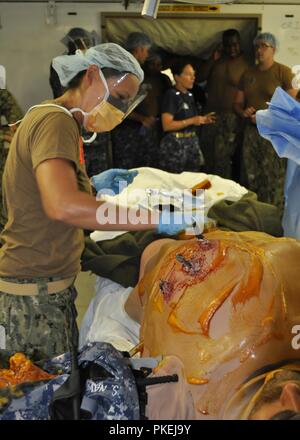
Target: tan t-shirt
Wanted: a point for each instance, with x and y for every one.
(223, 82)
(33, 244)
(259, 85)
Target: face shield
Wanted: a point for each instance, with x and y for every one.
(126, 106)
(82, 43)
(113, 108)
(80, 39)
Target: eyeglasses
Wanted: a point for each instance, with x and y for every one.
(262, 46)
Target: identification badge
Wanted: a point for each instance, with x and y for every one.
(186, 106)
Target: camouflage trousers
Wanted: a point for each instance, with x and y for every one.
(135, 146)
(41, 326)
(264, 171)
(180, 154)
(219, 142)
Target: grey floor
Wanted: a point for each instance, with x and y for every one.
(85, 285)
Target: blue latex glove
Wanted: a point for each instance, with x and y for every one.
(109, 180)
(172, 223)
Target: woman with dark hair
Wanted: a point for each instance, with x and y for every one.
(180, 149)
(49, 202)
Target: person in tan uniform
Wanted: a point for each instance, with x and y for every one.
(221, 140)
(263, 171)
(229, 312)
(48, 200)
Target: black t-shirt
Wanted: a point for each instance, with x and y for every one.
(180, 105)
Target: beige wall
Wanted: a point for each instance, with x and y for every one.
(27, 43)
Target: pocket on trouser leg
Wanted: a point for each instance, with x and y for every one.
(171, 155)
(194, 159)
(54, 330)
(14, 322)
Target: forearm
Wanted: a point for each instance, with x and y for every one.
(84, 211)
(178, 125)
(62, 201)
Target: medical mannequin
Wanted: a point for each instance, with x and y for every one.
(226, 307)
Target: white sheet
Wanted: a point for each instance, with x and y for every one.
(135, 194)
(106, 319)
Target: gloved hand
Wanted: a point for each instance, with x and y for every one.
(109, 179)
(172, 223)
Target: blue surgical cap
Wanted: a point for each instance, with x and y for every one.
(267, 37)
(109, 55)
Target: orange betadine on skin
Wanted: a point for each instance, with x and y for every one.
(224, 305)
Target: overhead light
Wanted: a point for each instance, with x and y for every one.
(150, 9)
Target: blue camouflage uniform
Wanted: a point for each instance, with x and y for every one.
(180, 150)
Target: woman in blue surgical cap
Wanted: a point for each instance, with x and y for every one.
(48, 199)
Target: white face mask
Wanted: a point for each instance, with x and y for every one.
(104, 116)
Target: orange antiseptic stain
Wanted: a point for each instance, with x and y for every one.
(175, 324)
(159, 302)
(204, 184)
(22, 370)
(220, 256)
(267, 320)
(142, 286)
(196, 381)
(207, 315)
(251, 287)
